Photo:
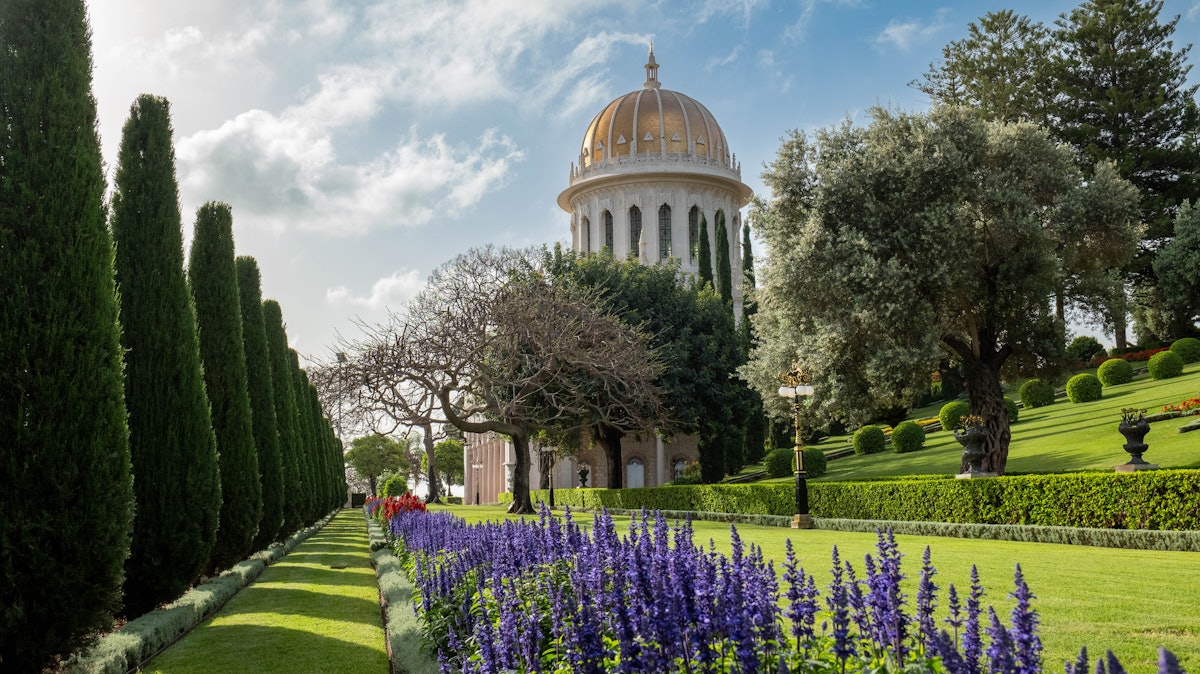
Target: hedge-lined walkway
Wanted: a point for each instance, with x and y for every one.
(316, 610)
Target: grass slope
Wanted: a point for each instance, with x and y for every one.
(301, 615)
(1061, 437)
(1129, 601)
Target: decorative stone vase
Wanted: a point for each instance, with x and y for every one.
(1135, 432)
(972, 441)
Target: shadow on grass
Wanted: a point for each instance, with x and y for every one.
(308, 603)
(265, 650)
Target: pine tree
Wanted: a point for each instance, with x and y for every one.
(705, 262)
(724, 264)
(66, 492)
(262, 400)
(172, 446)
(287, 418)
(213, 276)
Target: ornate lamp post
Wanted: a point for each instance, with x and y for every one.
(796, 392)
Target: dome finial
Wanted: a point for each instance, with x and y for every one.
(651, 70)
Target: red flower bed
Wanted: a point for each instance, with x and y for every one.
(1133, 356)
(1185, 406)
(384, 509)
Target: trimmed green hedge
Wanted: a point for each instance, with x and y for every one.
(1188, 349)
(1165, 365)
(869, 440)
(1036, 393)
(1084, 388)
(1115, 372)
(1159, 499)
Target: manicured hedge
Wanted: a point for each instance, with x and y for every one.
(1165, 365)
(779, 462)
(1160, 499)
(1188, 349)
(951, 412)
(908, 436)
(1114, 372)
(869, 440)
(1036, 393)
(1084, 388)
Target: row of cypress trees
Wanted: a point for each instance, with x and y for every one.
(154, 425)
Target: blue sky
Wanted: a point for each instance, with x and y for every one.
(362, 143)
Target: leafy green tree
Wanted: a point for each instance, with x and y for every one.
(172, 446)
(213, 275)
(262, 400)
(1178, 268)
(755, 414)
(705, 260)
(373, 455)
(874, 275)
(448, 463)
(287, 417)
(65, 485)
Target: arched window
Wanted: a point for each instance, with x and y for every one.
(585, 237)
(608, 231)
(664, 232)
(635, 474)
(693, 234)
(635, 231)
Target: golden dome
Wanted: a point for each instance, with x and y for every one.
(654, 122)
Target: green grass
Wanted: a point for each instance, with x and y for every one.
(1129, 601)
(301, 615)
(1061, 437)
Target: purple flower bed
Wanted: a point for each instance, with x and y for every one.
(550, 596)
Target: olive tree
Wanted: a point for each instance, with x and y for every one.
(917, 237)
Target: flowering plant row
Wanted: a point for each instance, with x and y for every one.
(549, 596)
(1131, 356)
(1186, 406)
(384, 509)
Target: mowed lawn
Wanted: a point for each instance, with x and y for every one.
(316, 610)
(1129, 601)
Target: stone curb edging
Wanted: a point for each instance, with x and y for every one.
(396, 594)
(145, 637)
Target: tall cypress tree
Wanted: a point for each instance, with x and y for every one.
(724, 265)
(749, 284)
(218, 314)
(172, 446)
(307, 450)
(262, 400)
(66, 494)
(286, 416)
(705, 262)
(756, 418)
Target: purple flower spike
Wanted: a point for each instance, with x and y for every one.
(1167, 664)
(1114, 667)
(1080, 666)
(1024, 628)
(927, 602)
(972, 642)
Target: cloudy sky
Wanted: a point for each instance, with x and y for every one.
(362, 143)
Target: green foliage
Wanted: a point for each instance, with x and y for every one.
(448, 458)
(1188, 349)
(394, 485)
(286, 415)
(724, 268)
(704, 263)
(1014, 413)
(951, 412)
(213, 275)
(869, 439)
(307, 442)
(262, 400)
(1178, 267)
(1084, 388)
(1127, 539)
(373, 455)
(778, 462)
(908, 436)
(1083, 348)
(1036, 393)
(65, 488)
(1114, 372)
(815, 463)
(1165, 365)
(172, 447)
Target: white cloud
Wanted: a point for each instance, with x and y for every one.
(391, 291)
(798, 29)
(717, 62)
(721, 8)
(904, 34)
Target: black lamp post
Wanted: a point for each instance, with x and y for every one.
(802, 520)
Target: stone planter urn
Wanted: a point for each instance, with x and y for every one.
(1135, 433)
(972, 440)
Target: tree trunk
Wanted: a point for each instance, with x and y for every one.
(1117, 315)
(609, 439)
(431, 472)
(520, 483)
(986, 398)
(545, 465)
(371, 483)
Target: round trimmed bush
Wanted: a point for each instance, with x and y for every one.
(1165, 365)
(1036, 393)
(394, 485)
(779, 462)
(1084, 388)
(908, 436)
(951, 412)
(1188, 349)
(1115, 371)
(1014, 412)
(814, 462)
(869, 440)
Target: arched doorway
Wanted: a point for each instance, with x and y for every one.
(635, 474)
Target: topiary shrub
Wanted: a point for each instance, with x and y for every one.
(951, 412)
(1188, 349)
(908, 436)
(1114, 372)
(1084, 388)
(779, 462)
(814, 462)
(1165, 365)
(1036, 393)
(1014, 412)
(394, 485)
(1084, 348)
(869, 440)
